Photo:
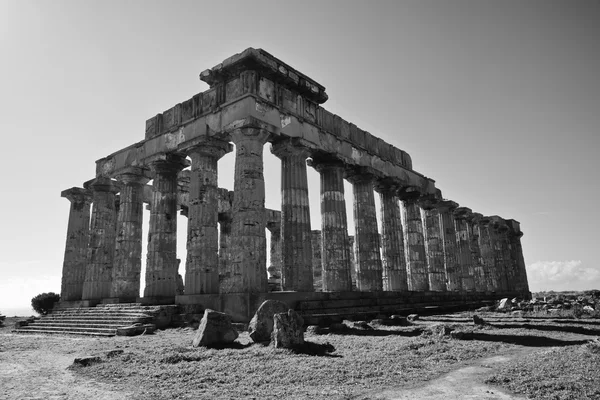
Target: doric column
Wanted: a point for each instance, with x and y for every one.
(486, 246)
(274, 269)
(368, 256)
(316, 260)
(296, 244)
(434, 247)
(352, 252)
(78, 232)
(101, 248)
(451, 265)
(479, 274)
(201, 266)
(336, 250)
(128, 245)
(224, 244)
(247, 267)
(161, 264)
(463, 247)
(416, 261)
(503, 272)
(521, 284)
(392, 240)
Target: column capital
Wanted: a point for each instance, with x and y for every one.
(77, 195)
(102, 184)
(291, 147)
(499, 224)
(250, 133)
(208, 146)
(167, 162)
(447, 206)
(474, 217)
(409, 194)
(325, 161)
(387, 185)
(429, 201)
(358, 174)
(134, 175)
(462, 213)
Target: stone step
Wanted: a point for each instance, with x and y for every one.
(92, 319)
(67, 329)
(98, 324)
(61, 332)
(98, 314)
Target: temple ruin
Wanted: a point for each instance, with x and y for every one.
(429, 250)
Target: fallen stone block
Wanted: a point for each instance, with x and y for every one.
(87, 360)
(477, 320)
(215, 329)
(504, 304)
(288, 331)
(413, 317)
(136, 329)
(261, 325)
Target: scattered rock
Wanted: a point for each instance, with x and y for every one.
(588, 309)
(87, 360)
(396, 320)
(378, 321)
(361, 325)
(315, 330)
(504, 304)
(215, 329)
(477, 320)
(413, 317)
(439, 330)
(288, 330)
(261, 325)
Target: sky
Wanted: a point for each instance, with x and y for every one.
(497, 101)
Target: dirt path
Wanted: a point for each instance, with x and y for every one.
(41, 373)
(464, 383)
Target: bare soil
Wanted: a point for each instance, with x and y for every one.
(382, 363)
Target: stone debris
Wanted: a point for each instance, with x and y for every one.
(215, 329)
(87, 360)
(438, 330)
(504, 305)
(477, 320)
(288, 330)
(413, 317)
(261, 325)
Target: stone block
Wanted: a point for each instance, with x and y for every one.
(288, 330)
(215, 329)
(261, 325)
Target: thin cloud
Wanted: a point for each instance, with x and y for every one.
(562, 275)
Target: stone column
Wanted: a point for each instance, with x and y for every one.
(247, 267)
(434, 247)
(479, 274)
(521, 284)
(161, 264)
(296, 244)
(224, 244)
(463, 246)
(451, 265)
(101, 248)
(486, 246)
(201, 266)
(416, 261)
(335, 247)
(352, 252)
(392, 240)
(78, 233)
(274, 269)
(503, 272)
(316, 261)
(128, 245)
(368, 256)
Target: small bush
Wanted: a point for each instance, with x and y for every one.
(43, 303)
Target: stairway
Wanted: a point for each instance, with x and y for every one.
(102, 320)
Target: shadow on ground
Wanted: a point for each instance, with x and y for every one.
(526, 340)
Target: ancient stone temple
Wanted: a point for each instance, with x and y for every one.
(429, 249)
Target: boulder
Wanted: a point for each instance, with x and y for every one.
(288, 330)
(215, 329)
(87, 360)
(588, 309)
(261, 325)
(477, 320)
(504, 304)
(413, 317)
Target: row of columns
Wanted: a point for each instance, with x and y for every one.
(440, 247)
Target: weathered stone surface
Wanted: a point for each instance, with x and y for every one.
(463, 243)
(336, 250)
(434, 248)
(288, 330)
(416, 260)
(128, 245)
(215, 329)
(101, 248)
(413, 317)
(261, 324)
(316, 260)
(161, 263)
(296, 243)
(392, 240)
(451, 265)
(367, 242)
(504, 304)
(86, 361)
(480, 277)
(247, 266)
(488, 260)
(477, 320)
(76, 248)
(201, 269)
(516, 254)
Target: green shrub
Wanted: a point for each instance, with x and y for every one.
(43, 303)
